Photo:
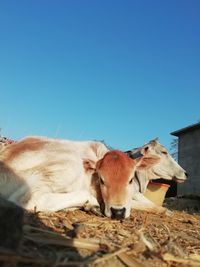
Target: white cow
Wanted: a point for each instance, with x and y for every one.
(166, 168)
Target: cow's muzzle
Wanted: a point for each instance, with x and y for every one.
(182, 179)
(118, 213)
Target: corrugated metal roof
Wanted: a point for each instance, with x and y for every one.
(186, 129)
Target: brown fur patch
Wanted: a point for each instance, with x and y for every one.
(115, 167)
(28, 144)
(115, 170)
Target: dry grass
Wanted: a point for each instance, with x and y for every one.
(80, 238)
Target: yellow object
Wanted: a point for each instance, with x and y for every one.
(156, 192)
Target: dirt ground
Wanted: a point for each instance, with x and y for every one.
(81, 238)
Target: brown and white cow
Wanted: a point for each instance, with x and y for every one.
(52, 174)
(116, 172)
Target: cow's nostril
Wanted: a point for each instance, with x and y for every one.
(186, 174)
(117, 213)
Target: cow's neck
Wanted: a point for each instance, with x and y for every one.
(142, 179)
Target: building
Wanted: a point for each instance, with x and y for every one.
(189, 158)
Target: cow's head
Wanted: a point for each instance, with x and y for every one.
(116, 176)
(166, 168)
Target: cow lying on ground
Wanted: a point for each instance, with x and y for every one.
(166, 168)
(51, 175)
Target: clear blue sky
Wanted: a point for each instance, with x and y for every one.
(120, 71)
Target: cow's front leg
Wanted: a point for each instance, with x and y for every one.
(141, 198)
(58, 201)
(95, 209)
(140, 202)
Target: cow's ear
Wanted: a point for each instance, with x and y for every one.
(146, 162)
(145, 150)
(89, 165)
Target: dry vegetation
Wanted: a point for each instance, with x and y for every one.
(81, 238)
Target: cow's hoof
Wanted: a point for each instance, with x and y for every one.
(93, 209)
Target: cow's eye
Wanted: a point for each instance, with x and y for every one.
(131, 181)
(101, 181)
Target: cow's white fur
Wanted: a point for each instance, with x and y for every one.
(50, 178)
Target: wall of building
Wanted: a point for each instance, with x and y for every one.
(189, 159)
